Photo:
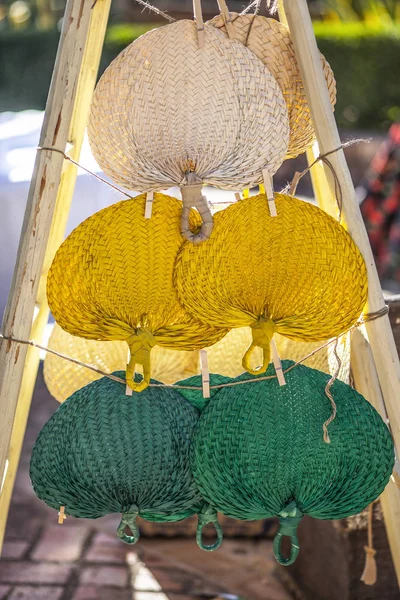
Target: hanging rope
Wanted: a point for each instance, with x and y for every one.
(272, 6)
(364, 319)
(66, 157)
(328, 393)
(292, 186)
(369, 575)
(156, 10)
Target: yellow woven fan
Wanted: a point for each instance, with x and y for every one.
(298, 274)
(112, 280)
(270, 41)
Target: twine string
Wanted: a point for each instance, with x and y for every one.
(74, 162)
(156, 10)
(272, 6)
(369, 575)
(289, 189)
(292, 186)
(328, 393)
(364, 319)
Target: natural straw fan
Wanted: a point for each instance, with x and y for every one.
(112, 279)
(168, 112)
(298, 274)
(63, 377)
(271, 43)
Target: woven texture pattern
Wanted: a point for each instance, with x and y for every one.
(259, 448)
(195, 396)
(165, 107)
(271, 43)
(298, 274)
(63, 378)
(112, 279)
(104, 452)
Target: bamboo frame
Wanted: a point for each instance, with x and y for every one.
(367, 383)
(362, 360)
(70, 92)
(364, 372)
(65, 120)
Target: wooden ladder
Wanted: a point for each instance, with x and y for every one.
(375, 362)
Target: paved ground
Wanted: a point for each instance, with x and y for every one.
(83, 560)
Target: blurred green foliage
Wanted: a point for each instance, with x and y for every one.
(359, 10)
(365, 58)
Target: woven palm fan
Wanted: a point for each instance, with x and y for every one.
(112, 280)
(298, 274)
(258, 451)
(63, 378)
(105, 452)
(270, 41)
(168, 112)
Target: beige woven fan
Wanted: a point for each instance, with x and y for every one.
(168, 112)
(63, 378)
(270, 41)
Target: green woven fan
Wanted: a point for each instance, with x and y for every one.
(258, 451)
(105, 452)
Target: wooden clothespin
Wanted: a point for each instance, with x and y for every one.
(277, 363)
(128, 391)
(61, 515)
(205, 375)
(223, 9)
(269, 190)
(238, 197)
(149, 205)
(198, 17)
(294, 184)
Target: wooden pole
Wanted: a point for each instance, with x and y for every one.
(367, 383)
(86, 83)
(379, 331)
(322, 191)
(18, 316)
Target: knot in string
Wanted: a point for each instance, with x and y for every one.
(262, 332)
(208, 515)
(140, 345)
(129, 520)
(289, 519)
